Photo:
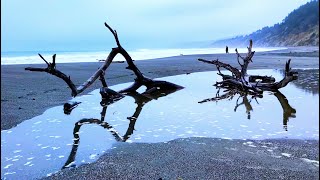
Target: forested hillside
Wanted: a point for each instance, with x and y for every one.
(299, 28)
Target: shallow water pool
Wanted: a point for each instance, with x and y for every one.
(44, 144)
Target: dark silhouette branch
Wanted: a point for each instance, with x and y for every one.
(274, 86)
(68, 107)
(51, 69)
(114, 32)
(247, 59)
(228, 67)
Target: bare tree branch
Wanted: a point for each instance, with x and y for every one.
(228, 67)
(140, 79)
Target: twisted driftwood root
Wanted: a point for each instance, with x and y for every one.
(250, 83)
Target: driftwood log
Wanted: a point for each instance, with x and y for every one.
(139, 81)
(239, 79)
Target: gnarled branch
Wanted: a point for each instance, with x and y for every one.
(228, 67)
(250, 83)
(139, 81)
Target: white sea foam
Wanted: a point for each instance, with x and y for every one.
(27, 163)
(140, 54)
(314, 162)
(7, 166)
(93, 156)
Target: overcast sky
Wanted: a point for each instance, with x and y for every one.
(79, 24)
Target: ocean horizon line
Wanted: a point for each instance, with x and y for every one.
(31, 57)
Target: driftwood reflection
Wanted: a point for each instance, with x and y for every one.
(246, 103)
(288, 111)
(141, 99)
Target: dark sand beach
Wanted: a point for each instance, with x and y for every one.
(203, 158)
(26, 94)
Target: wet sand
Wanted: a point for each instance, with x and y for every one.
(203, 158)
(27, 94)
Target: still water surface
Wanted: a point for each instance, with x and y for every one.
(44, 144)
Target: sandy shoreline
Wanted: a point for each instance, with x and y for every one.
(27, 94)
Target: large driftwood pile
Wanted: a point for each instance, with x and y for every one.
(108, 94)
(251, 84)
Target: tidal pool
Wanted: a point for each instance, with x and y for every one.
(47, 143)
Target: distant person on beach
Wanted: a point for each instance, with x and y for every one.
(227, 49)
